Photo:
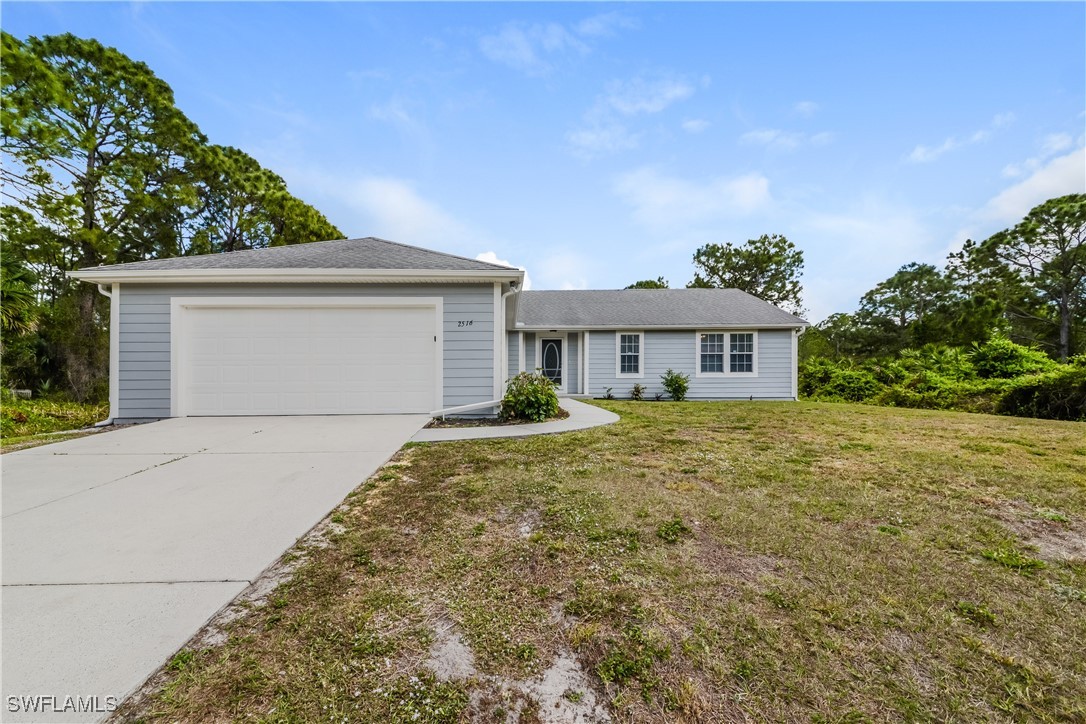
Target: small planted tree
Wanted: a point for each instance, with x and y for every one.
(529, 396)
(676, 384)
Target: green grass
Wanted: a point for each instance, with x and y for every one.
(703, 562)
(25, 423)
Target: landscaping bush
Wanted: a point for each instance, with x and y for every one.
(1003, 359)
(637, 392)
(676, 384)
(529, 396)
(1056, 395)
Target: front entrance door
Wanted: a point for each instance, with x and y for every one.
(551, 356)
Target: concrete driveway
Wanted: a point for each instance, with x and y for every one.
(119, 546)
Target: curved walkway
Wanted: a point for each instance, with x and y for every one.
(581, 417)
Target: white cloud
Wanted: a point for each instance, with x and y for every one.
(859, 247)
(1054, 143)
(605, 24)
(641, 95)
(597, 140)
(1058, 177)
(1050, 145)
(806, 108)
(695, 125)
(778, 140)
(604, 124)
(669, 201)
(394, 112)
(927, 154)
(530, 48)
(492, 258)
(563, 270)
(394, 210)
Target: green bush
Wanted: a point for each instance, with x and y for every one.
(926, 390)
(637, 392)
(887, 371)
(1001, 358)
(676, 384)
(851, 385)
(1056, 395)
(529, 396)
(814, 374)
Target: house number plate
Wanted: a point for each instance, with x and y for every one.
(465, 323)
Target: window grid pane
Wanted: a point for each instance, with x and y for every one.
(629, 354)
(712, 353)
(742, 353)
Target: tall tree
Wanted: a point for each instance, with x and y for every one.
(909, 309)
(1046, 251)
(657, 283)
(91, 161)
(768, 267)
(101, 167)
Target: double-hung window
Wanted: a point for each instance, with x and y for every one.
(712, 352)
(726, 353)
(741, 352)
(628, 353)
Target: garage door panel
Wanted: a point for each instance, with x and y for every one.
(309, 360)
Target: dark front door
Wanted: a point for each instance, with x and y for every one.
(551, 358)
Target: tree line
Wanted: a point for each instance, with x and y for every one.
(101, 167)
(1026, 283)
(1001, 327)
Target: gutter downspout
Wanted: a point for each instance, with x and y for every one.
(114, 318)
(513, 289)
(795, 365)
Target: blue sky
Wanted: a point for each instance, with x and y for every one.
(599, 144)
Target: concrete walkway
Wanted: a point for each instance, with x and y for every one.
(581, 417)
(118, 547)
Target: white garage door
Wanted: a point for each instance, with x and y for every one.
(306, 361)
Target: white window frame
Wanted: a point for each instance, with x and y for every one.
(640, 354)
(727, 353)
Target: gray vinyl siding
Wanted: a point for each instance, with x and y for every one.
(144, 369)
(573, 369)
(529, 352)
(677, 350)
(512, 359)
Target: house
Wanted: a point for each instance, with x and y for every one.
(368, 326)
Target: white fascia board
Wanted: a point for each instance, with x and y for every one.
(639, 327)
(176, 276)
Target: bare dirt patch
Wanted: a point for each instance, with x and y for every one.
(562, 694)
(1056, 536)
(719, 559)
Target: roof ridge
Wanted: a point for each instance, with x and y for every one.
(434, 251)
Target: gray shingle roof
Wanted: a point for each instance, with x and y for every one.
(687, 308)
(368, 253)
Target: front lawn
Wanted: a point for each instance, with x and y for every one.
(694, 562)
